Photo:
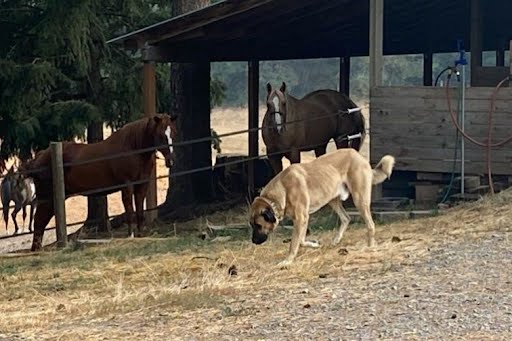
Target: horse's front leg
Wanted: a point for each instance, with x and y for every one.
(140, 194)
(17, 208)
(294, 155)
(42, 217)
(275, 162)
(126, 195)
(319, 151)
(33, 206)
(24, 211)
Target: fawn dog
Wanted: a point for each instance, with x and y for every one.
(304, 188)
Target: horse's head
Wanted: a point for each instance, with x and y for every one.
(163, 129)
(276, 105)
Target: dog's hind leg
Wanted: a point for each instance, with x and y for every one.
(362, 201)
(337, 207)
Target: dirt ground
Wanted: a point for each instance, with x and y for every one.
(442, 278)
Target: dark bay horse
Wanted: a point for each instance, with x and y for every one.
(149, 133)
(21, 190)
(321, 115)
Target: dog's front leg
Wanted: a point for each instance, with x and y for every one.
(300, 225)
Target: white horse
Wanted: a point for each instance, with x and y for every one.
(22, 192)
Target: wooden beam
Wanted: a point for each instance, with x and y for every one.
(427, 68)
(500, 56)
(253, 92)
(376, 42)
(510, 62)
(476, 39)
(149, 96)
(345, 75)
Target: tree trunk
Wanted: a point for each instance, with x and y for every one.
(97, 211)
(190, 99)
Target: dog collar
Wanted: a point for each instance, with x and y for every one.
(275, 208)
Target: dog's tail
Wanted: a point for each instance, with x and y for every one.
(383, 170)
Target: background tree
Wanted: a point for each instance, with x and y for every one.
(58, 76)
(190, 92)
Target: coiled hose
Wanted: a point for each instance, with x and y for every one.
(488, 144)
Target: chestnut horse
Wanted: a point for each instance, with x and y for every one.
(320, 116)
(148, 134)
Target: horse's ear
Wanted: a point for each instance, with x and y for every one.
(269, 89)
(283, 87)
(174, 117)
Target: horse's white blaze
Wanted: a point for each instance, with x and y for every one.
(277, 115)
(169, 138)
(275, 100)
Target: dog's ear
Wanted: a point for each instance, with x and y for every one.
(269, 216)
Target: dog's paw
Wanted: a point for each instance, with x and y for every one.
(336, 241)
(284, 264)
(312, 243)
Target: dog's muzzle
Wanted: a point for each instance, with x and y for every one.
(259, 238)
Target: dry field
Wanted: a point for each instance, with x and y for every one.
(443, 278)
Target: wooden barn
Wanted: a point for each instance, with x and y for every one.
(410, 122)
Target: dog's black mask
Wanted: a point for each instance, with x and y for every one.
(269, 216)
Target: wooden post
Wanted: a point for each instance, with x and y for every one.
(510, 62)
(500, 56)
(345, 75)
(376, 42)
(476, 40)
(149, 95)
(59, 194)
(253, 92)
(427, 68)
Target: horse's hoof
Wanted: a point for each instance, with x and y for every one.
(131, 235)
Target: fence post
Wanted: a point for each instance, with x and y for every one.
(59, 195)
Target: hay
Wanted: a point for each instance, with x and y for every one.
(131, 289)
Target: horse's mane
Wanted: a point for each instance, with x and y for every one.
(132, 133)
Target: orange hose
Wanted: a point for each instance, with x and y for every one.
(488, 144)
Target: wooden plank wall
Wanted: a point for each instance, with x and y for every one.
(413, 124)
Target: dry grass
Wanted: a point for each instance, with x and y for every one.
(111, 291)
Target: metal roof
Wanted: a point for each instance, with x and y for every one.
(241, 30)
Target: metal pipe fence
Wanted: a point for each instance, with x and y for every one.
(115, 188)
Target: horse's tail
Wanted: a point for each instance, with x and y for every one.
(5, 194)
